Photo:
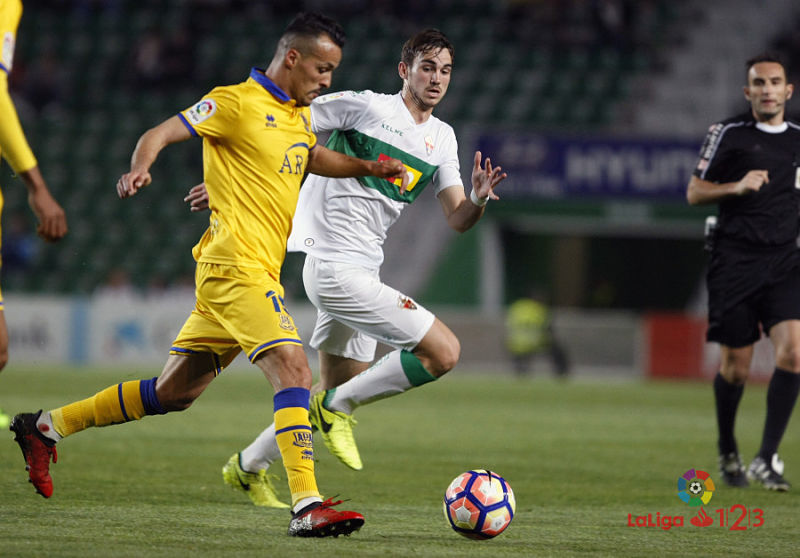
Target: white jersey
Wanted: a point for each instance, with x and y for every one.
(346, 219)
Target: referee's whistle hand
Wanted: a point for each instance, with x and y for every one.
(752, 181)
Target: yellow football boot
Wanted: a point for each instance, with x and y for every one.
(337, 431)
(257, 485)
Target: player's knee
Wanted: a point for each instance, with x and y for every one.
(294, 372)
(172, 400)
(789, 359)
(735, 375)
(445, 358)
(735, 367)
(3, 358)
(299, 376)
(177, 404)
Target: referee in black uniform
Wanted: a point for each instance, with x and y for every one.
(749, 166)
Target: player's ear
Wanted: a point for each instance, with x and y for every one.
(746, 91)
(789, 90)
(402, 69)
(292, 58)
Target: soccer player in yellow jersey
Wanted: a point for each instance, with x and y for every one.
(15, 149)
(257, 145)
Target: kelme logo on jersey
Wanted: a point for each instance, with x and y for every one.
(202, 111)
(413, 175)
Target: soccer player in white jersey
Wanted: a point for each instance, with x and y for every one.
(341, 225)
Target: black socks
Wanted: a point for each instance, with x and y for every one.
(781, 396)
(727, 397)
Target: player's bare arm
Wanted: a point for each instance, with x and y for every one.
(326, 162)
(330, 162)
(702, 191)
(147, 149)
(52, 220)
(462, 212)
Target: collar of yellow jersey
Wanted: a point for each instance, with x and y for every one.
(262, 79)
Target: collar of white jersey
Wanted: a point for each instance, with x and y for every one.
(409, 116)
(772, 129)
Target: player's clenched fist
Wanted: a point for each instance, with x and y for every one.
(752, 181)
(129, 183)
(393, 168)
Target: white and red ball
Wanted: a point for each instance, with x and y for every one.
(479, 504)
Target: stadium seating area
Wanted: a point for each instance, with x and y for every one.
(90, 79)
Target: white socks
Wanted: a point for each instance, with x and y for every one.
(45, 425)
(393, 374)
(262, 452)
(383, 379)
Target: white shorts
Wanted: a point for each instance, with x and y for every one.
(355, 310)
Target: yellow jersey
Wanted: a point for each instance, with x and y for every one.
(256, 143)
(527, 326)
(13, 145)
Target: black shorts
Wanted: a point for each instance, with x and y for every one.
(750, 292)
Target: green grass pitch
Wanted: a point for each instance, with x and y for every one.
(582, 457)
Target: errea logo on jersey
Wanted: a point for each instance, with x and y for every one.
(413, 175)
(202, 111)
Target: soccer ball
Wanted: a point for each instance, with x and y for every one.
(479, 504)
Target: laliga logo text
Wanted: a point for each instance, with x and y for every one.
(696, 488)
(666, 522)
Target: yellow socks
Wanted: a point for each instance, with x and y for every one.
(293, 434)
(116, 404)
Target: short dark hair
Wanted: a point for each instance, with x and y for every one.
(424, 42)
(310, 25)
(765, 57)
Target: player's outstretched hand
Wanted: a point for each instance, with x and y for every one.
(485, 178)
(52, 219)
(130, 183)
(197, 198)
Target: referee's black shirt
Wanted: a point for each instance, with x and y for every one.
(771, 216)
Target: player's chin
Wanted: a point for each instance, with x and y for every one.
(434, 97)
(768, 113)
(310, 97)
